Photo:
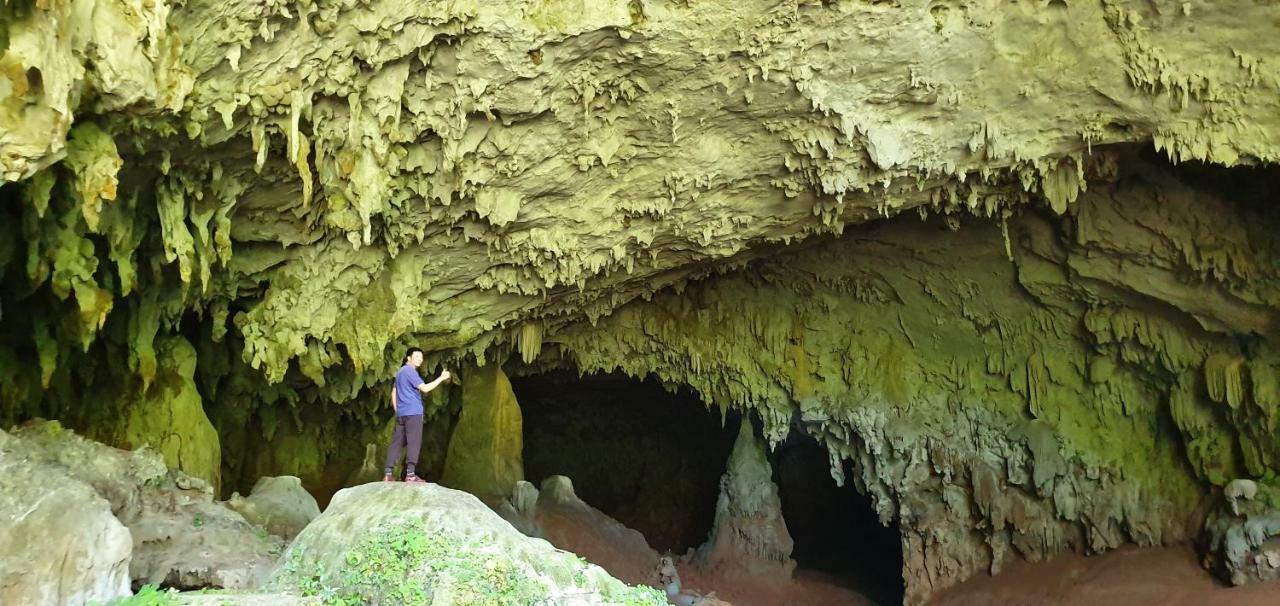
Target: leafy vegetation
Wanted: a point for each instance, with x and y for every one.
(403, 563)
(149, 595)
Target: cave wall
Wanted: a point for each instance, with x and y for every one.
(1004, 389)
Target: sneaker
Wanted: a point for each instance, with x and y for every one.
(414, 479)
(388, 478)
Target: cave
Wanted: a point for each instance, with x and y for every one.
(644, 455)
(651, 457)
(838, 536)
(1013, 266)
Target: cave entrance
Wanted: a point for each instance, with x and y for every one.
(645, 456)
(838, 536)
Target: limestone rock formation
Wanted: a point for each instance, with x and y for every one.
(180, 536)
(426, 544)
(170, 417)
(488, 168)
(1013, 264)
(569, 523)
(749, 537)
(557, 514)
(59, 543)
(322, 184)
(1000, 401)
(1243, 529)
(520, 510)
(370, 468)
(486, 448)
(280, 504)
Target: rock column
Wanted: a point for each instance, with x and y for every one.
(486, 449)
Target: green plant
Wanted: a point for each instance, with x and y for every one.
(402, 563)
(149, 595)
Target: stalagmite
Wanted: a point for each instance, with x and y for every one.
(749, 537)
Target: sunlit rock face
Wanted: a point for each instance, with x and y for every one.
(1073, 348)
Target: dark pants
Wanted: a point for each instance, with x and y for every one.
(408, 433)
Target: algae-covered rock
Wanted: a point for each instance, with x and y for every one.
(170, 417)
(425, 544)
(486, 449)
(1075, 347)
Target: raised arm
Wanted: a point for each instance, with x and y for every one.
(427, 387)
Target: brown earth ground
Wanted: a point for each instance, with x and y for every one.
(1170, 576)
(806, 587)
(1126, 577)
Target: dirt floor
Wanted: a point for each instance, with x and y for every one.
(625, 555)
(1126, 577)
(1130, 576)
(806, 587)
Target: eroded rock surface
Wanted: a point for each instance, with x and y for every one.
(556, 514)
(486, 448)
(1243, 529)
(280, 504)
(1000, 398)
(426, 544)
(474, 173)
(59, 542)
(180, 537)
(749, 537)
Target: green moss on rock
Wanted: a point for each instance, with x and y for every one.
(421, 545)
(170, 417)
(487, 445)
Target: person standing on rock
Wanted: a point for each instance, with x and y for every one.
(406, 401)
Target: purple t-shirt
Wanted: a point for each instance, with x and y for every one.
(408, 398)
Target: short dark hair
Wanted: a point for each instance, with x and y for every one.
(409, 354)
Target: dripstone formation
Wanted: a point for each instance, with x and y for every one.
(1013, 264)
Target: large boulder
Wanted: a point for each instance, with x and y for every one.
(485, 451)
(59, 543)
(184, 539)
(570, 523)
(181, 536)
(280, 504)
(426, 544)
